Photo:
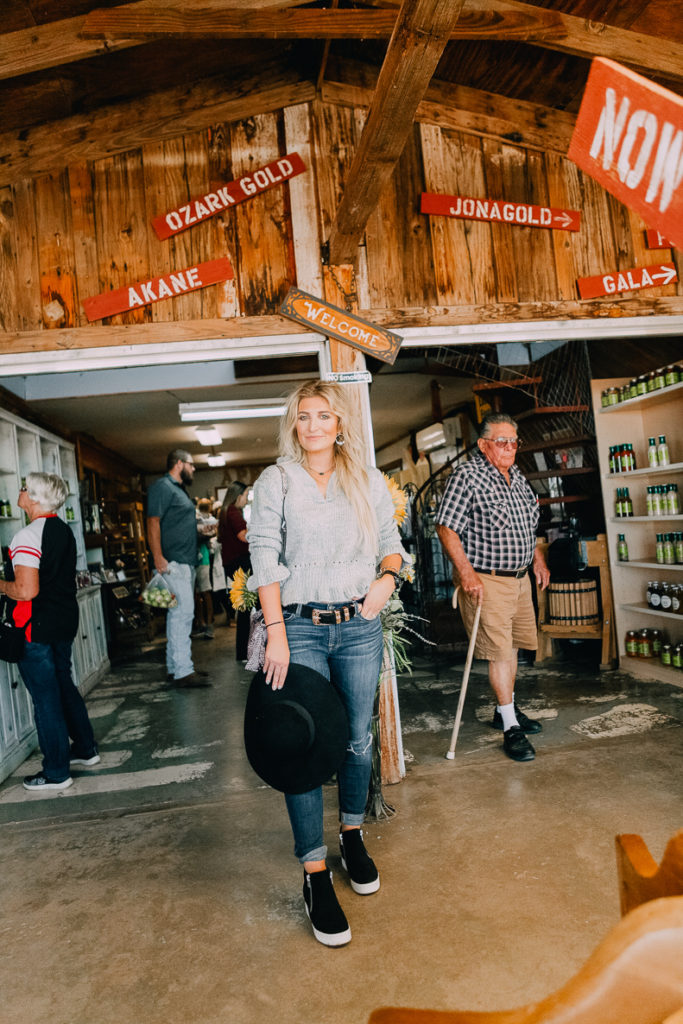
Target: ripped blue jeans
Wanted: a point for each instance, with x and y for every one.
(350, 655)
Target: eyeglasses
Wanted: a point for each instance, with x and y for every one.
(505, 442)
(188, 463)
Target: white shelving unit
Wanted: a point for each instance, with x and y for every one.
(24, 449)
(633, 422)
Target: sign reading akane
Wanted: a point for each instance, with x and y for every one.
(321, 316)
(169, 286)
(629, 137)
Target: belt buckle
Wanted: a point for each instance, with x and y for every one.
(347, 613)
(315, 616)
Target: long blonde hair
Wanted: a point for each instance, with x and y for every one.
(349, 457)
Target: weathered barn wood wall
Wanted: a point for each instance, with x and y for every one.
(87, 229)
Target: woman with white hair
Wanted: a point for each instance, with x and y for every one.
(327, 558)
(43, 561)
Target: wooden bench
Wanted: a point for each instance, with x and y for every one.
(641, 878)
(635, 976)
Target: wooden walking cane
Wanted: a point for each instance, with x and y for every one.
(450, 755)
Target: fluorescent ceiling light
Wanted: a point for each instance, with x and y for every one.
(216, 460)
(193, 412)
(208, 437)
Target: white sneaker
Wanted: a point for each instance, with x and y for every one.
(87, 762)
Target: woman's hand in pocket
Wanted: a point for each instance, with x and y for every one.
(276, 660)
(377, 596)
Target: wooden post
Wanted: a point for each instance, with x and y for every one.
(340, 290)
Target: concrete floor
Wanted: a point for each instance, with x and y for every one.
(161, 888)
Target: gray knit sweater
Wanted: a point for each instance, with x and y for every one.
(324, 560)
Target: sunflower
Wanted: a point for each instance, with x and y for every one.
(242, 600)
(399, 499)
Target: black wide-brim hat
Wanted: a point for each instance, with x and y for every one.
(295, 737)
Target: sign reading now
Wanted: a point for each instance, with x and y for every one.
(629, 137)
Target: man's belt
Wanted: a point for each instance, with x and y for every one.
(515, 573)
(322, 616)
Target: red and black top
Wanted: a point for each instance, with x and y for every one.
(48, 545)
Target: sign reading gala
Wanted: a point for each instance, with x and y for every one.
(321, 316)
(629, 137)
(222, 198)
(627, 280)
(468, 208)
(178, 282)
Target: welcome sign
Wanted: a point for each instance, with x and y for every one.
(321, 316)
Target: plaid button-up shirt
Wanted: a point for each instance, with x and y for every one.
(495, 522)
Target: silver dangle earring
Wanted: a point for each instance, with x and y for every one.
(339, 439)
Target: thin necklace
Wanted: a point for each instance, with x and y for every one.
(320, 472)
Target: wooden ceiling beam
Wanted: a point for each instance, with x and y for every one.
(62, 42)
(422, 31)
(460, 108)
(163, 115)
(479, 20)
(245, 327)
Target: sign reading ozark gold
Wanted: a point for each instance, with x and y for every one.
(225, 196)
(337, 323)
(629, 137)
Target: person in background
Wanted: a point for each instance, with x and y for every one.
(172, 539)
(43, 563)
(219, 583)
(487, 525)
(327, 558)
(232, 537)
(206, 530)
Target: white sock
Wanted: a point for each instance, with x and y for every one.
(507, 713)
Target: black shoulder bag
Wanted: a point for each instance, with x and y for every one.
(12, 637)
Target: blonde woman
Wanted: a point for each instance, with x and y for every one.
(326, 556)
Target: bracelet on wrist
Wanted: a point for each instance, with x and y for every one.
(276, 622)
(390, 572)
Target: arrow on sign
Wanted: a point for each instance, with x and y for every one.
(668, 276)
(564, 219)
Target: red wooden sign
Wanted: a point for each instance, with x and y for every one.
(321, 316)
(629, 137)
(627, 280)
(467, 208)
(211, 203)
(656, 240)
(178, 282)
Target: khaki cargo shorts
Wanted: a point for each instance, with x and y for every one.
(507, 620)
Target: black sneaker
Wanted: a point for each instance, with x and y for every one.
(363, 874)
(326, 916)
(38, 783)
(516, 745)
(529, 725)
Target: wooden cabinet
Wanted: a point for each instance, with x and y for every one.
(633, 422)
(24, 449)
(89, 664)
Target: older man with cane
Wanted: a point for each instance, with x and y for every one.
(487, 525)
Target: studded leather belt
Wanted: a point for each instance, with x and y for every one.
(323, 616)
